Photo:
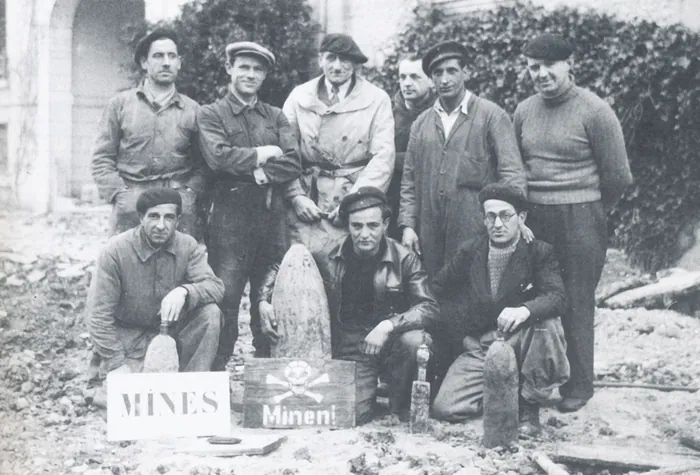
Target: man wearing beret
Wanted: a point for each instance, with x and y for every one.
(515, 289)
(148, 138)
(251, 149)
(379, 301)
(577, 168)
(147, 275)
(416, 94)
(345, 132)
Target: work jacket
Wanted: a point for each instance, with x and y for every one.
(531, 279)
(401, 292)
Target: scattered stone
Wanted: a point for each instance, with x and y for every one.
(35, 276)
(606, 431)
(68, 463)
(67, 374)
(53, 419)
(469, 471)
(17, 258)
(554, 421)
(26, 387)
(21, 403)
(14, 281)
(303, 454)
(72, 272)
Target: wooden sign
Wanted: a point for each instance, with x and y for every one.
(153, 405)
(282, 393)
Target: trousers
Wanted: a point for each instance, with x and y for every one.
(124, 215)
(578, 233)
(540, 350)
(396, 362)
(244, 237)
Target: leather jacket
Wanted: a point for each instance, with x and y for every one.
(401, 287)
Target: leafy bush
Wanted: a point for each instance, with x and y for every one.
(648, 73)
(205, 27)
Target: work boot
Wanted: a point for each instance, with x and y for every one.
(571, 404)
(529, 419)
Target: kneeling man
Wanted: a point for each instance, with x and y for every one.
(515, 288)
(148, 274)
(379, 300)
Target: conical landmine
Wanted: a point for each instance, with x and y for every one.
(161, 356)
(500, 395)
(420, 394)
(301, 308)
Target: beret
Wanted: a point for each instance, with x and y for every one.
(339, 43)
(441, 51)
(158, 196)
(365, 197)
(549, 47)
(504, 192)
(252, 49)
(145, 43)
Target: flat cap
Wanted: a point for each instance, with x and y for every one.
(144, 44)
(442, 51)
(504, 192)
(339, 43)
(365, 197)
(251, 49)
(549, 47)
(158, 196)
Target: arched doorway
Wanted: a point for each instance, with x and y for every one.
(86, 68)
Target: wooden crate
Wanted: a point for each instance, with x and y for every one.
(283, 393)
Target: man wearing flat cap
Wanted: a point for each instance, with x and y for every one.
(577, 168)
(514, 288)
(379, 300)
(148, 138)
(251, 149)
(148, 275)
(345, 132)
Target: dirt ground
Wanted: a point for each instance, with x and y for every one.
(47, 425)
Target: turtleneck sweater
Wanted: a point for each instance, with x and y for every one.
(497, 263)
(572, 147)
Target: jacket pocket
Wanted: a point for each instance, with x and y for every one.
(473, 171)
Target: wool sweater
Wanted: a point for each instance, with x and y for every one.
(573, 148)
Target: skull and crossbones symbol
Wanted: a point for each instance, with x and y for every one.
(297, 374)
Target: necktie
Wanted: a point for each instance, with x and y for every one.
(334, 99)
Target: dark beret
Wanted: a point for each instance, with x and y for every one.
(341, 44)
(504, 192)
(441, 51)
(365, 197)
(158, 196)
(549, 47)
(145, 43)
(252, 49)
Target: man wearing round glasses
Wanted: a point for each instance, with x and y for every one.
(514, 287)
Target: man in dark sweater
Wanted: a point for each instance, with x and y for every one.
(513, 287)
(379, 302)
(416, 94)
(576, 164)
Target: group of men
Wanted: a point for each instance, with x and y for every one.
(415, 212)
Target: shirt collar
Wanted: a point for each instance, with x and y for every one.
(144, 249)
(239, 105)
(250, 104)
(461, 107)
(141, 92)
(342, 89)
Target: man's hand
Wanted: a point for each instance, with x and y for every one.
(268, 321)
(410, 240)
(377, 337)
(266, 152)
(511, 318)
(172, 305)
(306, 209)
(526, 233)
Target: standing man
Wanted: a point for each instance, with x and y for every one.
(149, 274)
(456, 148)
(345, 133)
(416, 94)
(250, 147)
(514, 287)
(577, 168)
(379, 302)
(148, 138)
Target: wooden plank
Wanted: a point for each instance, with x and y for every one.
(618, 456)
(282, 393)
(679, 283)
(301, 308)
(250, 445)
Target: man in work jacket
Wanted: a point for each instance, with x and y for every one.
(379, 302)
(515, 288)
(345, 133)
(251, 150)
